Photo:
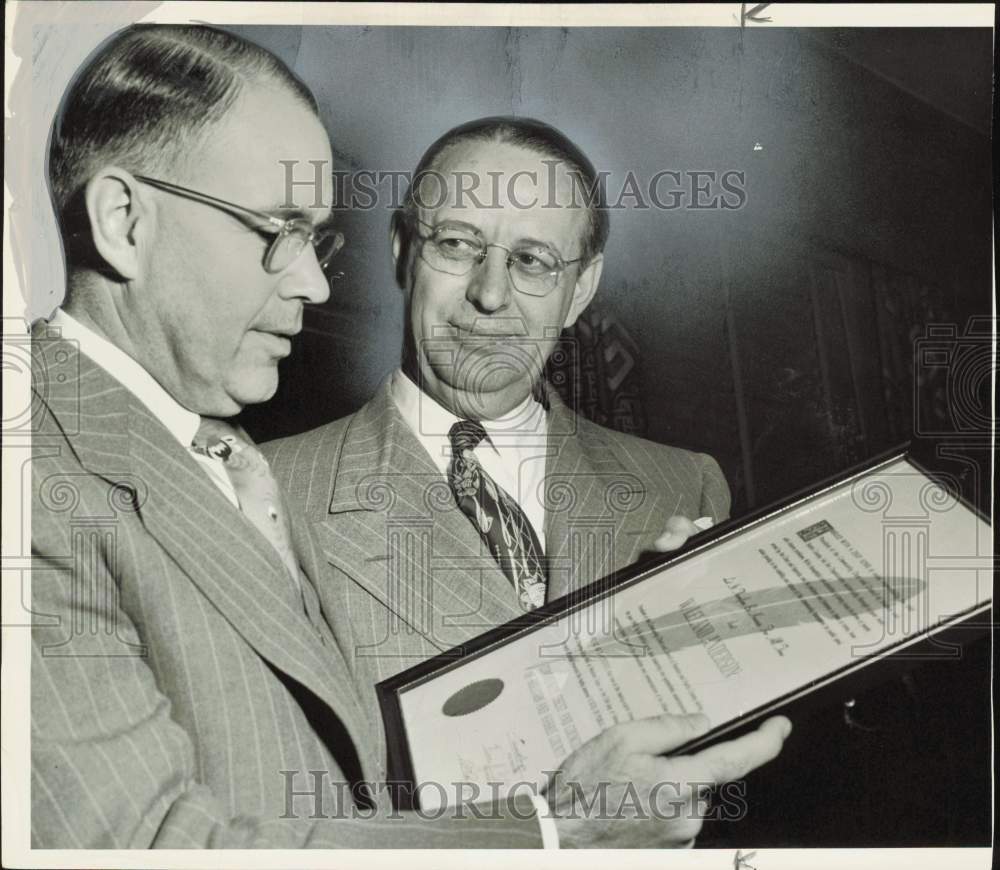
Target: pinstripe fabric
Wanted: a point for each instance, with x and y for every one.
(176, 673)
(410, 577)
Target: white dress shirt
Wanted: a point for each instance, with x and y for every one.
(513, 455)
(178, 420)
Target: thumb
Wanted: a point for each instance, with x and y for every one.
(678, 530)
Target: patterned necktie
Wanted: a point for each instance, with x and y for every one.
(496, 516)
(256, 489)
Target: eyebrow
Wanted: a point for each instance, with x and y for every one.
(522, 242)
(447, 222)
(539, 243)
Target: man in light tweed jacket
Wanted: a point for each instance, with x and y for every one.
(465, 492)
(186, 687)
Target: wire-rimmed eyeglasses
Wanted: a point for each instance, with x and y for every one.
(457, 248)
(291, 235)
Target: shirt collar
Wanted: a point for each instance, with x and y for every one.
(179, 421)
(430, 421)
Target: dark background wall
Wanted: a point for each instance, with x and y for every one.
(779, 336)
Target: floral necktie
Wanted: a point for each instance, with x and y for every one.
(497, 517)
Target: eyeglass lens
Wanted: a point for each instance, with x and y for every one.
(291, 242)
(534, 269)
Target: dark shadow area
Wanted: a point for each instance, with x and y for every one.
(909, 766)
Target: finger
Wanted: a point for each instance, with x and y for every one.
(683, 832)
(736, 758)
(678, 530)
(659, 734)
(682, 778)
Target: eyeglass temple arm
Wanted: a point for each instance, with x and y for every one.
(212, 200)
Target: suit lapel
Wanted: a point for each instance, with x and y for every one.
(599, 511)
(237, 569)
(221, 551)
(391, 524)
(311, 564)
(388, 521)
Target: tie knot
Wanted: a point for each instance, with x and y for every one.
(465, 435)
(217, 438)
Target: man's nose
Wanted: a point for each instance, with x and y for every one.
(489, 288)
(304, 279)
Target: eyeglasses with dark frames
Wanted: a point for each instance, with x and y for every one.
(291, 235)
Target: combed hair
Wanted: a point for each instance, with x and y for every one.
(145, 96)
(534, 135)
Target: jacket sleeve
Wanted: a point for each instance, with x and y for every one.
(715, 497)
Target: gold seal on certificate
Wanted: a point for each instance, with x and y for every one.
(814, 597)
(472, 697)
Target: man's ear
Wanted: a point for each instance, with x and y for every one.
(583, 292)
(399, 242)
(115, 210)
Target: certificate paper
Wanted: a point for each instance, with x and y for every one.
(745, 623)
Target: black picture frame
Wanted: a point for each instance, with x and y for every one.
(838, 685)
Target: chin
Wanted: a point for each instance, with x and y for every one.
(255, 389)
(480, 380)
(498, 373)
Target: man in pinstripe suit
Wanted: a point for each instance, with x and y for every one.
(496, 254)
(178, 668)
(187, 689)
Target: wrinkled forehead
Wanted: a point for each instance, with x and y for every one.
(494, 185)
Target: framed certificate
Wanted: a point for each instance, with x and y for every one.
(813, 598)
